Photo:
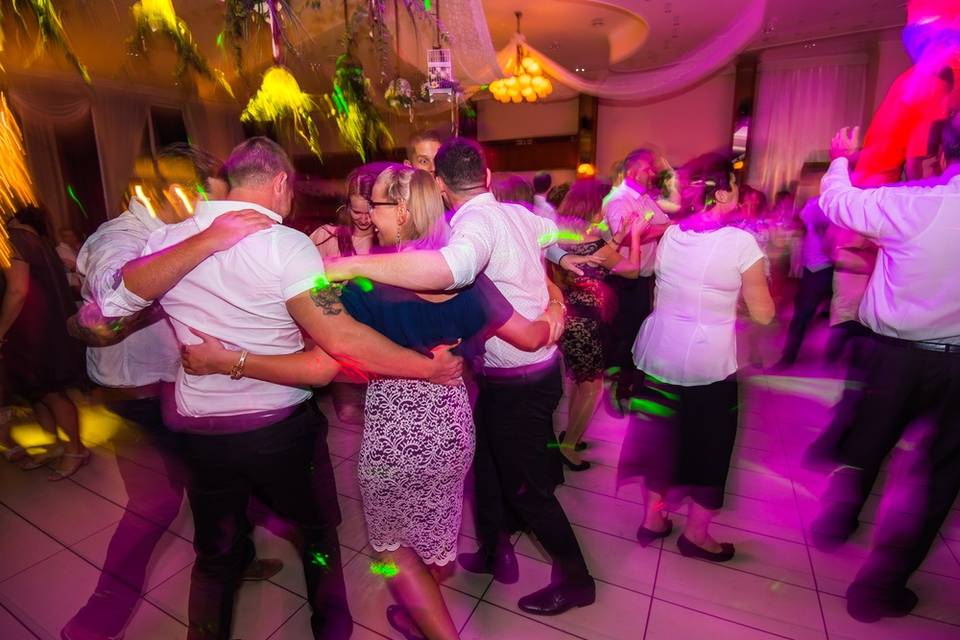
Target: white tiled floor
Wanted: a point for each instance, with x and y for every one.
(53, 539)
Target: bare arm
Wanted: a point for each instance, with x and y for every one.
(524, 334)
(313, 367)
(90, 327)
(854, 260)
(18, 285)
(322, 316)
(756, 294)
(414, 270)
(151, 276)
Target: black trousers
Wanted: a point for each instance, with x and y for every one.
(633, 306)
(517, 467)
(153, 501)
(902, 384)
(680, 440)
(815, 288)
(287, 465)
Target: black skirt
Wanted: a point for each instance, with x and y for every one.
(680, 439)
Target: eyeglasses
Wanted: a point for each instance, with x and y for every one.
(374, 204)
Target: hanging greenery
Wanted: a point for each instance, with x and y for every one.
(360, 125)
(50, 30)
(280, 101)
(159, 17)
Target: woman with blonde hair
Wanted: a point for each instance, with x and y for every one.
(418, 437)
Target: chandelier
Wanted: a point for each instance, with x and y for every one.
(525, 80)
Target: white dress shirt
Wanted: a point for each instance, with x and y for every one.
(623, 202)
(543, 208)
(690, 338)
(503, 241)
(914, 292)
(239, 297)
(149, 355)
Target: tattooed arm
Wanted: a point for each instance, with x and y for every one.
(355, 345)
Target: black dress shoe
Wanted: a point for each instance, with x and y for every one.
(583, 466)
(867, 605)
(580, 446)
(691, 550)
(502, 564)
(262, 569)
(833, 528)
(646, 536)
(556, 599)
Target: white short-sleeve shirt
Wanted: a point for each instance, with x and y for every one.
(690, 338)
(239, 296)
(504, 242)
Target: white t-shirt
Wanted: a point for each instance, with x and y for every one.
(239, 296)
(690, 338)
(503, 241)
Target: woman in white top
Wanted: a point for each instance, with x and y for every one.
(687, 348)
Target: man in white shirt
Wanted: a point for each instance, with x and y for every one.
(912, 306)
(541, 206)
(637, 197)
(244, 435)
(129, 358)
(515, 467)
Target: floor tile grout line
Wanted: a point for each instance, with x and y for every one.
(282, 624)
(537, 620)
(17, 618)
(716, 617)
(946, 543)
(65, 546)
(286, 620)
(806, 544)
(729, 526)
(653, 591)
(665, 550)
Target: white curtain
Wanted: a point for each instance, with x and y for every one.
(41, 112)
(119, 119)
(800, 106)
(213, 127)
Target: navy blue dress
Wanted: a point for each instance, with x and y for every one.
(418, 438)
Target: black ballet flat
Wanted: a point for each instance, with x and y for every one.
(583, 466)
(648, 536)
(690, 550)
(396, 614)
(580, 446)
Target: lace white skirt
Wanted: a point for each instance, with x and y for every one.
(418, 443)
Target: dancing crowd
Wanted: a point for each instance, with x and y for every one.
(444, 309)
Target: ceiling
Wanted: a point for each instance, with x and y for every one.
(578, 33)
(601, 37)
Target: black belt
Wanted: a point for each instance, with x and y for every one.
(936, 347)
